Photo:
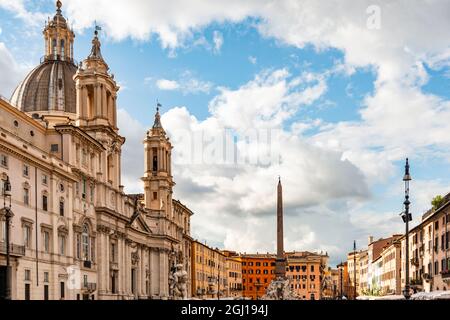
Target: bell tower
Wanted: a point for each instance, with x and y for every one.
(96, 90)
(96, 111)
(158, 180)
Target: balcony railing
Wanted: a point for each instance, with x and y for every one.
(14, 249)
(87, 264)
(416, 282)
(445, 274)
(90, 287)
(427, 277)
(415, 261)
(113, 265)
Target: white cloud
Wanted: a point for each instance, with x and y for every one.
(164, 84)
(218, 41)
(252, 59)
(187, 83)
(11, 73)
(21, 12)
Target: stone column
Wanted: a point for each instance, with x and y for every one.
(150, 280)
(98, 100)
(104, 103)
(107, 269)
(83, 114)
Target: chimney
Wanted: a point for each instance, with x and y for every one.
(370, 239)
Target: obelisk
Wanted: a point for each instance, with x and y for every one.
(280, 262)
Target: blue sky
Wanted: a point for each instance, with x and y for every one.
(352, 101)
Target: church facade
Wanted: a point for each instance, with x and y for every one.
(75, 233)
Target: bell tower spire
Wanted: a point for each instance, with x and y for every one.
(96, 90)
(158, 180)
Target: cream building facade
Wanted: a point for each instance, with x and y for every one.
(75, 233)
(209, 272)
(391, 268)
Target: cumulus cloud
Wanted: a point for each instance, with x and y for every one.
(187, 83)
(164, 84)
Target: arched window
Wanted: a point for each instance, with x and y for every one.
(63, 51)
(85, 243)
(61, 207)
(54, 48)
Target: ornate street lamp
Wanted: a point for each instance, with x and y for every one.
(8, 216)
(407, 217)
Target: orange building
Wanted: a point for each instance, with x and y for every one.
(258, 270)
(306, 273)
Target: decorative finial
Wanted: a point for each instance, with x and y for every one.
(279, 179)
(58, 6)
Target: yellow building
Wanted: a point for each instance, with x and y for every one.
(209, 272)
(353, 262)
(234, 274)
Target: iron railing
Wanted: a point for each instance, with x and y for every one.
(14, 249)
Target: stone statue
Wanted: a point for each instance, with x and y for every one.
(178, 283)
(279, 289)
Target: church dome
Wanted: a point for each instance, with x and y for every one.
(49, 87)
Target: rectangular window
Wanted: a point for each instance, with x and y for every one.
(61, 208)
(78, 246)
(3, 230)
(46, 241)
(133, 281)
(46, 277)
(27, 236)
(54, 148)
(62, 244)
(44, 203)
(27, 275)
(44, 179)
(27, 291)
(26, 196)
(26, 171)
(3, 160)
(46, 297)
(62, 290)
(84, 189)
(113, 252)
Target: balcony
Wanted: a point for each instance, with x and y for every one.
(14, 249)
(427, 277)
(416, 282)
(415, 261)
(90, 287)
(445, 274)
(421, 251)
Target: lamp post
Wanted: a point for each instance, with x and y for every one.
(354, 270)
(340, 281)
(8, 216)
(407, 217)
